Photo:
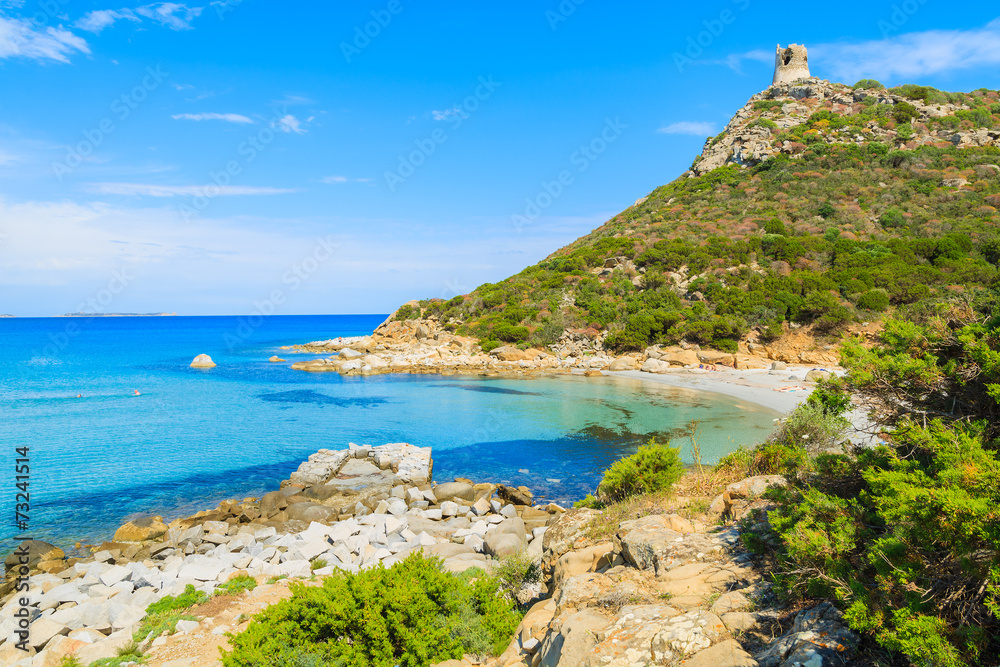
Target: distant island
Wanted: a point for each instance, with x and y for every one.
(115, 315)
(8, 315)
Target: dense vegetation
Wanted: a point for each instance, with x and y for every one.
(905, 536)
(834, 233)
(411, 614)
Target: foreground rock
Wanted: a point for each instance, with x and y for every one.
(664, 591)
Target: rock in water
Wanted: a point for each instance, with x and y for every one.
(203, 361)
(272, 359)
(141, 530)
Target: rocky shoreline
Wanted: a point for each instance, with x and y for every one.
(656, 589)
(351, 509)
(425, 346)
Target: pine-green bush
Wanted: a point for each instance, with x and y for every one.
(411, 614)
(651, 469)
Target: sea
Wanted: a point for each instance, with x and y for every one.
(115, 424)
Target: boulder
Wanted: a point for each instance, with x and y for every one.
(454, 491)
(520, 496)
(507, 539)
(203, 361)
(641, 540)
(747, 489)
(818, 636)
(655, 366)
(717, 358)
(678, 357)
(272, 503)
(779, 366)
(37, 551)
(141, 530)
(815, 375)
(728, 653)
(624, 364)
(569, 531)
(275, 359)
(575, 639)
(510, 353)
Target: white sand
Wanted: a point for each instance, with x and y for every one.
(754, 386)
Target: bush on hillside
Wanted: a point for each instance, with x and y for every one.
(876, 299)
(411, 614)
(653, 468)
(868, 84)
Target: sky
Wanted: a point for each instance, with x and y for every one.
(238, 157)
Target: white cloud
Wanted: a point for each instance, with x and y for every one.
(288, 123)
(153, 190)
(97, 21)
(19, 39)
(447, 114)
(694, 128)
(228, 117)
(909, 56)
(330, 180)
(170, 14)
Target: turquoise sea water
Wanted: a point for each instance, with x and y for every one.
(195, 437)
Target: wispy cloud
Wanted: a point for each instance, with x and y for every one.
(288, 124)
(152, 190)
(97, 21)
(19, 39)
(173, 15)
(447, 114)
(330, 180)
(900, 58)
(911, 55)
(228, 117)
(694, 128)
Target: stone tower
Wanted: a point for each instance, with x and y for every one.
(790, 64)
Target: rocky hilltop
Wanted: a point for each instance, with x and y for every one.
(754, 133)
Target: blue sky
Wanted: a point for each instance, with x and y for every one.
(249, 156)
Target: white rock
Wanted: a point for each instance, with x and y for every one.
(184, 627)
(114, 574)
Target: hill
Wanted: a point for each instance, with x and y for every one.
(819, 205)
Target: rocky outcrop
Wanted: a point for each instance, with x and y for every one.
(664, 592)
(203, 361)
(750, 136)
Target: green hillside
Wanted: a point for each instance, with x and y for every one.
(860, 201)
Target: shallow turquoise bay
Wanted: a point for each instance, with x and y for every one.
(195, 437)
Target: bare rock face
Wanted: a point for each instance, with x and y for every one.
(203, 361)
(818, 637)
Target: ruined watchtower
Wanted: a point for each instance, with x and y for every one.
(790, 64)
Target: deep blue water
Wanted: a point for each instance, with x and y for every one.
(195, 437)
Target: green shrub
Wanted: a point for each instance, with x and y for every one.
(589, 502)
(653, 468)
(189, 598)
(767, 105)
(868, 84)
(241, 583)
(516, 571)
(411, 614)
(904, 112)
(876, 299)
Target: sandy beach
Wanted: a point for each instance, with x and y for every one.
(781, 391)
